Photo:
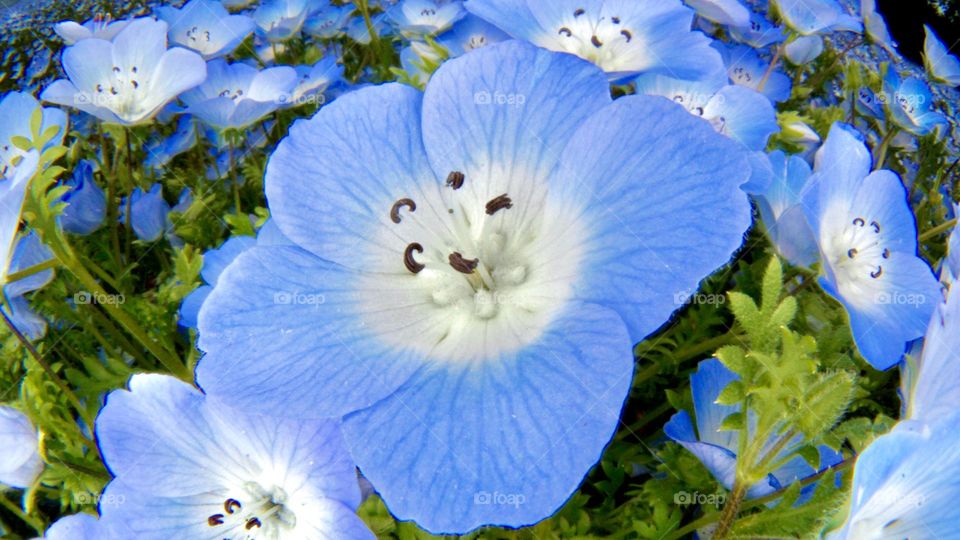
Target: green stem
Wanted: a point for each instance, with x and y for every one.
(129, 177)
(365, 11)
(112, 220)
(704, 347)
(771, 67)
(234, 176)
(17, 511)
(941, 228)
(31, 270)
(730, 510)
(884, 146)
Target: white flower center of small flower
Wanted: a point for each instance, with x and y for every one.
(475, 41)
(476, 274)
(857, 253)
(124, 91)
(199, 39)
(253, 513)
(605, 41)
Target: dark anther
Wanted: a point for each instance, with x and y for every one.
(852, 252)
(251, 523)
(116, 69)
(214, 520)
(464, 266)
(858, 222)
(498, 203)
(876, 226)
(564, 31)
(113, 91)
(616, 20)
(596, 42)
(578, 12)
(886, 253)
(626, 34)
(232, 505)
(408, 260)
(877, 273)
(455, 179)
(99, 88)
(395, 211)
(133, 69)
(135, 83)
(678, 98)
(699, 111)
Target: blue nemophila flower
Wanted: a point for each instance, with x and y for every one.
(909, 102)
(206, 26)
(327, 22)
(746, 68)
(875, 27)
(148, 213)
(742, 114)
(13, 190)
(20, 464)
(313, 80)
(161, 152)
(214, 262)
(942, 66)
(357, 29)
(816, 16)
(470, 269)
(16, 111)
(934, 390)
(905, 483)
(868, 104)
(782, 213)
(419, 17)
(623, 38)
(716, 449)
(758, 33)
(186, 466)
(86, 202)
(30, 251)
(725, 12)
(868, 244)
(127, 80)
(470, 33)
(280, 20)
(803, 49)
(236, 95)
(97, 27)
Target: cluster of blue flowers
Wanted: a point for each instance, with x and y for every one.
(443, 293)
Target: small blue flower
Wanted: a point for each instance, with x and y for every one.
(910, 104)
(804, 49)
(328, 22)
(97, 27)
(904, 483)
(160, 152)
(808, 17)
(867, 238)
(758, 33)
(313, 80)
(16, 110)
(236, 95)
(725, 12)
(186, 466)
(357, 29)
(127, 80)
(426, 17)
(942, 66)
(280, 20)
(30, 251)
(469, 33)
(214, 261)
(493, 204)
(86, 202)
(782, 213)
(148, 213)
(875, 27)
(623, 38)
(746, 68)
(20, 462)
(737, 112)
(13, 190)
(716, 449)
(207, 27)
(77, 527)
(868, 104)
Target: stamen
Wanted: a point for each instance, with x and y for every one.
(498, 203)
(858, 222)
(455, 179)
(616, 20)
(626, 34)
(408, 260)
(464, 266)
(886, 253)
(564, 31)
(232, 505)
(251, 523)
(852, 252)
(876, 226)
(214, 520)
(579, 12)
(395, 211)
(596, 41)
(877, 273)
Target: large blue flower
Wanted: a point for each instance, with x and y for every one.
(20, 464)
(625, 38)
(470, 269)
(868, 243)
(716, 449)
(206, 27)
(905, 483)
(185, 466)
(236, 95)
(129, 79)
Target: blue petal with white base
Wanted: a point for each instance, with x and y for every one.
(941, 65)
(20, 464)
(935, 391)
(910, 104)
(236, 95)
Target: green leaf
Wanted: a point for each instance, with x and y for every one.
(772, 286)
(825, 402)
(734, 358)
(733, 422)
(36, 122)
(733, 394)
(22, 143)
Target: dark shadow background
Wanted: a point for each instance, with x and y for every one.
(906, 18)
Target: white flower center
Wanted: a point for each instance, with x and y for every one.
(253, 513)
(476, 274)
(605, 41)
(124, 91)
(857, 253)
